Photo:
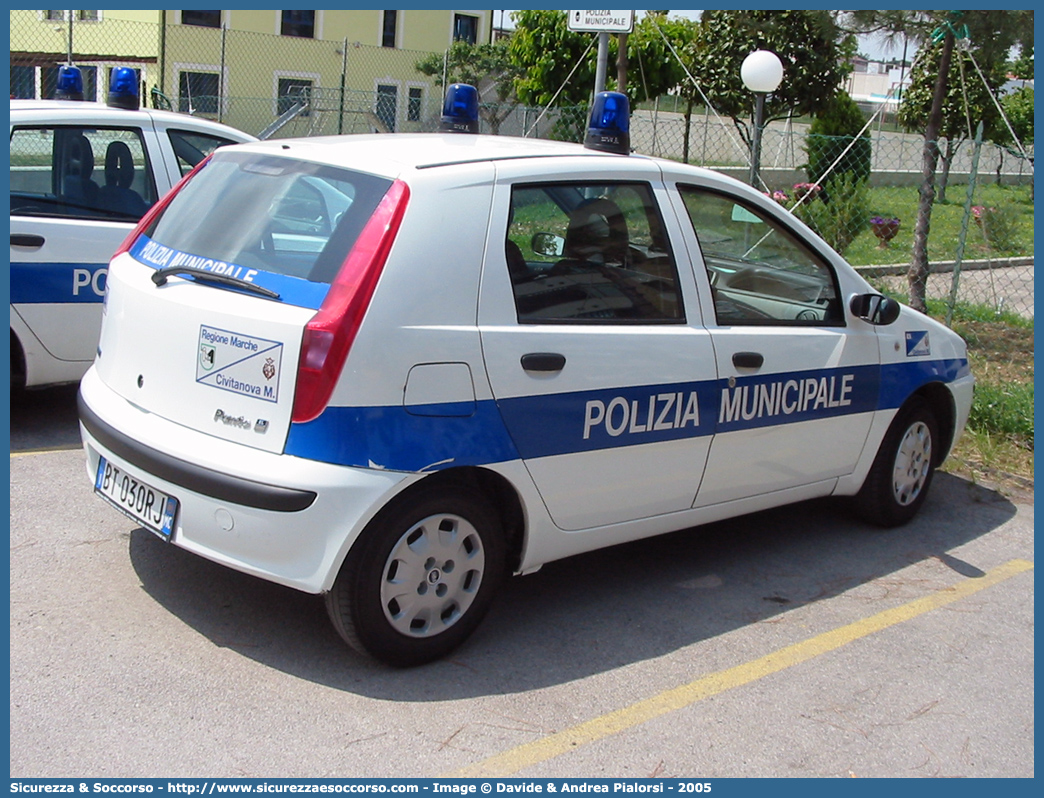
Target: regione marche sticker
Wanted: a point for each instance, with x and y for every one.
(238, 363)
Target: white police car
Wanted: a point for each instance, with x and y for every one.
(82, 175)
(393, 369)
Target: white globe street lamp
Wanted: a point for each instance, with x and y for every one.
(762, 72)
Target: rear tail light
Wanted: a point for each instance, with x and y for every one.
(329, 335)
(153, 213)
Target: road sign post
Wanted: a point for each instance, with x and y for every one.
(603, 23)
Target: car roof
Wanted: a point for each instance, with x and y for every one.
(57, 111)
(396, 154)
(425, 150)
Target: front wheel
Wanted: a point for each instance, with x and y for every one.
(420, 578)
(898, 482)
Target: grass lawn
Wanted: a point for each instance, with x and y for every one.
(946, 224)
(998, 443)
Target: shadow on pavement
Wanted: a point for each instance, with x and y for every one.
(590, 613)
(44, 419)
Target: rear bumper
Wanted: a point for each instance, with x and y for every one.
(285, 519)
(206, 481)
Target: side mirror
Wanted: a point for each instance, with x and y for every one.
(548, 244)
(875, 309)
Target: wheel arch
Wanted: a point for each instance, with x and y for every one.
(501, 495)
(492, 487)
(942, 405)
(18, 364)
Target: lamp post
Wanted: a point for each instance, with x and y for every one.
(762, 72)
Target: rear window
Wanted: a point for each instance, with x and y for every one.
(277, 215)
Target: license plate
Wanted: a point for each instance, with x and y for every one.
(152, 508)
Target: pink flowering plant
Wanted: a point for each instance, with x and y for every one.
(838, 215)
(999, 225)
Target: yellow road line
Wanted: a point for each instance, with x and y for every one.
(51, 450)
(511, 762)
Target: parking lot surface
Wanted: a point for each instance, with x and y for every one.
(795, 642)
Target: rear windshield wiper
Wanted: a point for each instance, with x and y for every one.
(159, 277)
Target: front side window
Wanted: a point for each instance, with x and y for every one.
(298, 23)
(590, 253)
(760, 272)
(80, 173)
(191, 148)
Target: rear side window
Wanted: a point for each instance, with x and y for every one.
(80, 173)
(276, 215)
(590, 253)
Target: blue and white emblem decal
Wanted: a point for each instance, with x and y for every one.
(239, 363)
(917, 344)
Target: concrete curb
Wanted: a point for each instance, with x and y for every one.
(945, 266)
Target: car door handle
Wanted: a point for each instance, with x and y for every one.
(748, 360)
(543, 361)
(26, 240)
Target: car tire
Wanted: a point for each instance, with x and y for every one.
(420, 578)
(901, 475)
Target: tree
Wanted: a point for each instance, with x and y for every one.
(993, 33)
(967, 102)
(675, 62)
(545, 51)
(831, 134)
(809, 43)
(653, 68)
(1022, 67)
(551, 67)
(1018, 108)
(485, 66)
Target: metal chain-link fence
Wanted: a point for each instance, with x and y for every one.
(980, 248)
(980, 242)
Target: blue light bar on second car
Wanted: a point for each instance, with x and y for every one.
(70, 83)
(610, 127)
(460, 110)
(123, 89)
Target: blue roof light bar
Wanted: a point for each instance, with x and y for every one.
(460, 110)
(610, 127)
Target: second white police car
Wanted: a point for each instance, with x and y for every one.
(394, 369)
(82, 176)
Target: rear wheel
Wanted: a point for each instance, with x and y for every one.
(898, 482)
(420, 578)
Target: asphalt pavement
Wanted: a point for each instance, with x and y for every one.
(795, 642)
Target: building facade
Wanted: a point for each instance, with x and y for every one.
(331, 71)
